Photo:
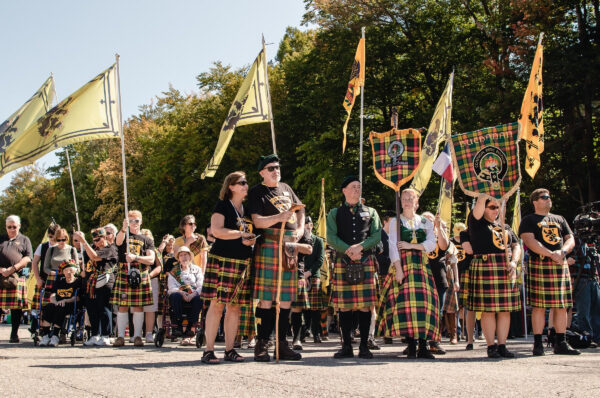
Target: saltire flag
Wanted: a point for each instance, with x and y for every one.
(249, 106)
(439, 131)
(23, 118)
(487, 161)
(443, 167)
(531, 119)
(90, 113)
(357, 80)
(395, 156)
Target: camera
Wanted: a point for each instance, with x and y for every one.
(586, 224)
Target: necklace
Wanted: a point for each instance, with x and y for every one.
(240, 218)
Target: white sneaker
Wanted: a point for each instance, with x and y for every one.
(45, 341)
(53, 341)
(149, 338)
(131, 339)
(103, 341)
(92, 341)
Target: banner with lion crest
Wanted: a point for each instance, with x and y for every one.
(487, 161)
(396, 156)
(90, 113)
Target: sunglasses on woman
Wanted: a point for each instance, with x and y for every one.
(243, 182)
(61, 240)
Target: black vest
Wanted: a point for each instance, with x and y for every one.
(45, 247)
(353, 228)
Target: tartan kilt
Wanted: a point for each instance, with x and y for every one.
(266, 270)
(35, 301)
(162, 284)
(490, 289)
(247, 325)
(361, 295)
(548, 284)
(464, 288)
(301, 299)
(124, 295)
(410, 309)
(14, 298)
(47, 291)
(227, 280)
(317, 299)
(450, 301)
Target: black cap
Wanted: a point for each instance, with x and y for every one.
(265, 160)
(348, 180)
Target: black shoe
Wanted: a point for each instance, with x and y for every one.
(538, 350)
(424, 353)
(434, 347)
(286, 353)
(344, 352)
(411, 350)
(388, 340)
(563, 348)
(261, 351)
(469, 347)
(317, 339)
(14, 339)
(504, 353)
(364, 352)
(177, 331)
(372, 345)
(492, 352)
(296, 345)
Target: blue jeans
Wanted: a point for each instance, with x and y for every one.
(179, 305)
(587, 302)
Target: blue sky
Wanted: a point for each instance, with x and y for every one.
(160, 43)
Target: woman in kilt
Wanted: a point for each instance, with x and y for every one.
(548, 239)
(226, 281)
(408, 303)
(464, 256)
(492, 276)
(132, 292)
(310, 299)
(15, 254)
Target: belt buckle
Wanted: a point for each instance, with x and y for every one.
(484, 257)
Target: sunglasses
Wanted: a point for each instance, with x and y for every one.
(243, 182)
(11, 227)
(191, 223)
(493, 207)
(272, 168)
(135, 221)
(61, 240)
(97, 240)
(109, 233)
(545, 197)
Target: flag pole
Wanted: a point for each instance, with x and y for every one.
(522, 266)
(75, 203)
(269, 95)
(362, 104)
(123, 155)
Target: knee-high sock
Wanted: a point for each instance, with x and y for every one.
(296, 324)
(264, 323)
(284, 323)
(315, 323)
(15, 320)
(364, 322)
(138, 323)
(122, 321)
(346, 321)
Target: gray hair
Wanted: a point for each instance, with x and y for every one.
(112, 226)
(14, 218)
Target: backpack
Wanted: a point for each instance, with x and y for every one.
(578, 340)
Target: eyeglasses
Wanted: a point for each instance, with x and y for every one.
(109, 233)
(96, 240)
(135, 221)
(191, 223)
(11, 227)
(493, 207)
(272, 168)
(545, 197)
(243, 182)
(61, 240)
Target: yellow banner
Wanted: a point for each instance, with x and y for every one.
(250, 106)
(531, 121)
(90, 113)
(23, 118)
(357, 80)
(321, 228)
(439, 130)
(445, 202)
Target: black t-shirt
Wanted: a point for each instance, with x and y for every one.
(65, 290)
(464, 259)
(549, 230)
(13, 250)
(438, 269)
(233, 248)
(268, 201)
(383, 255)
(486, 237)
(138, 245)
(108, 258)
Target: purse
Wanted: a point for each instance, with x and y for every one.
(9, 282)
(355, 273)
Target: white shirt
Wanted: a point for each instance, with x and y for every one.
(38, 250)
(193, 277)
(418, 223)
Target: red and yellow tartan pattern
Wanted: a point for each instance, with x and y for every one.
(313, 299)
(247, 326)
(490, 287)
(464, 285)
(227, 280)
(361, 295)
(396, 156)
(450, 299)
(548, 284)
(266, 267)
(48, 289)
(124, 295)
(34, 304)
(411, 309)
(480, 152)
(14, 298)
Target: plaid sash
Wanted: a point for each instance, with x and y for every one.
(487, 161)
(176, 273)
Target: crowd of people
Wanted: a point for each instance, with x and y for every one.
(262, 272)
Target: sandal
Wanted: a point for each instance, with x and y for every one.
(233, 356)
(209, 358)
(187, 341)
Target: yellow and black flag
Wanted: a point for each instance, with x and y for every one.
(357, 80)
(23, 118)
(531, 121)
(90, 113)
(249, 106)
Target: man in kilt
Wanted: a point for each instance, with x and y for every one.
(270, 206)
(129, 293)
(548, 239)
(15, 254)
(492, 274)
(354, 230)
